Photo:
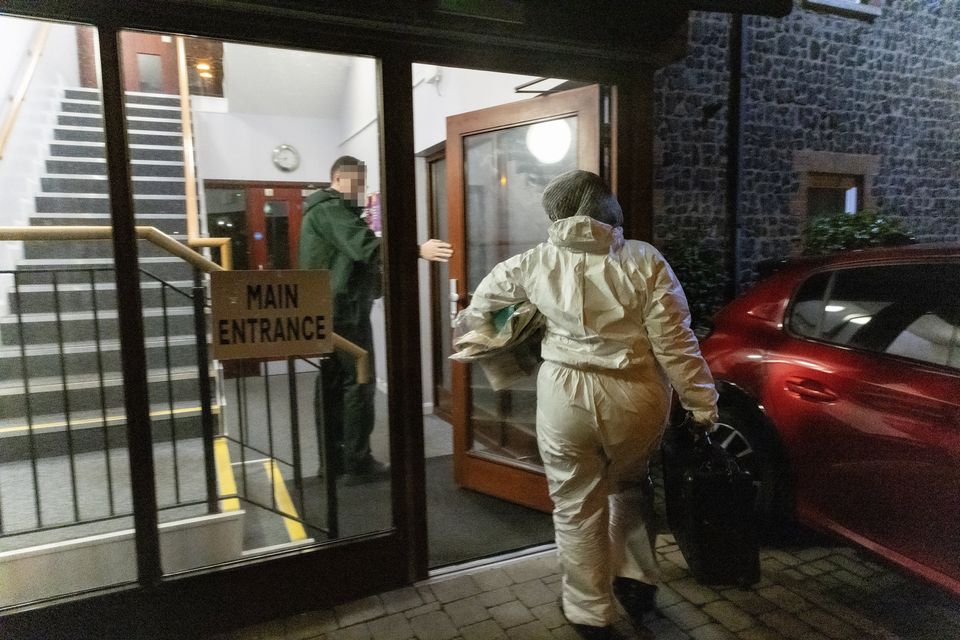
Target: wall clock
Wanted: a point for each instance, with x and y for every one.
(286, 158)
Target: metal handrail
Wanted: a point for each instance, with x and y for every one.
(16, 100)
(162, 240)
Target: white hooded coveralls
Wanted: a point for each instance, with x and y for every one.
(617, 337)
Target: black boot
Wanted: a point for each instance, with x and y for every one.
(588, 631)
(636, 597)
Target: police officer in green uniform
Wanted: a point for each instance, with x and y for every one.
(333, 236)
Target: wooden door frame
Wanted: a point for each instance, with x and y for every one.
(471, 468)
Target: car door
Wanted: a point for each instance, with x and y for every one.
(870, 398)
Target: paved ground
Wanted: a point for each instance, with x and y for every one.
(811, 589)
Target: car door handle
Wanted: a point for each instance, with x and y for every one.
(810, 390)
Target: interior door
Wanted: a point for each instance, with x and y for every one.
(149, 62)
(273, 227)
(498, 162)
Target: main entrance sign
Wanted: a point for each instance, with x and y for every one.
(264, 314)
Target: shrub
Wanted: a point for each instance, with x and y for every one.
(702, 273)
(843, 231)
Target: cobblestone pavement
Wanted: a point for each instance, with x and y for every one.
(811, 589)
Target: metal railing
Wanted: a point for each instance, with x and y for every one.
(80, 438)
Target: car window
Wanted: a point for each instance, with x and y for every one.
(909, 310)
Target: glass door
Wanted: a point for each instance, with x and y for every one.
(498, 162)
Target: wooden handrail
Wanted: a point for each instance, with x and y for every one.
(162, 240)
(16, 100)
(186, 132)
(226, 251)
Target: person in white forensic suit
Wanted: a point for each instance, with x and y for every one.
(617, 338)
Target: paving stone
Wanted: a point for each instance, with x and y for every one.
(486, 630)
(426, 594)
(309, 625)
(829, 581)
(401, 600)
(786, 624)
(530, 569)
(748, 601)
(771, 565)
(670, 572)
(729, 615)
(435, 625)
(556, 587)
(664, 629)
(685, 615)
(786, 558)
(853, 580)
(533, 593)
(824, 565)
(356, 632)
(812, 553)
(467, 611)
(810, 569)
(549, 614)
(498, 596)
(792, 575)
(693, 591)
(492, 579)
(759, 633)
(677, 558)
(564, 633)
(511, 614)
(394, 627)
(422, 609)
(711, 632)
(666, 596)
(530, 631)
(857, 568)
(784, 598)
(455, 588)
(828, 624)
(359, 611)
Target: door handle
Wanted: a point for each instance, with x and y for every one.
(810, 390)
(454, 298)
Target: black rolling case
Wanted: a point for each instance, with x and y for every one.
(710, 509)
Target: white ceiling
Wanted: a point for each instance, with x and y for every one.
(284, 82)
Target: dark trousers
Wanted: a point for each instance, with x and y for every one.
(347, 406)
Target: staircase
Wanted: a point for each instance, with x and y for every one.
(59, 347)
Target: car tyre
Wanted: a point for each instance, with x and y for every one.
(758, 451)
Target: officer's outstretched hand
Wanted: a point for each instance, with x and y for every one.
(436, 250)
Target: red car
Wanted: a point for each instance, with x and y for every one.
(839, 383)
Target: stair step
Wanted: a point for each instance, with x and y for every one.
(41, 328)
(166, 111)
(77, 270)
(98, 167)
(96, 150)
(94, 134)
(38, 298)
(97, 203)
(89, 393)
(77, 357)
(137, 123)
(86, 249)
(169, 223)
(132, 97)
(94, 184)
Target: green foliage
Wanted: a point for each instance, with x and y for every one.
(828, 234)
(702, 273)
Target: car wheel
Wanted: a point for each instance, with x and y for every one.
(756, 451)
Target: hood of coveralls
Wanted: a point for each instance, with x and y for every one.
(583, 233)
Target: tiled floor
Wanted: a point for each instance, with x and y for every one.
(813, 590)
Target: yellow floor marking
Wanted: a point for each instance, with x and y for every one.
(226, 483)
(77, 423)
(294, 529)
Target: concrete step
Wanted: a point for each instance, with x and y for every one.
(85, 249)
(47, 360)
(169, 223)
(89, 393)
(138, 123)
(80, 326)
(96, 150)
(97, 203)
(77, 270)
(98, 167)
(60, 183)
(92, 134)
(132, 97)
(134, 110)
(39, 298)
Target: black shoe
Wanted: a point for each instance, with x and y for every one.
(637, 598)
(370, 471)
(588, 631)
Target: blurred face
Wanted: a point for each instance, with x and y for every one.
(351, 182)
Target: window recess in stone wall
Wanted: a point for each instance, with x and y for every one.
(831, 183)
(853, 8)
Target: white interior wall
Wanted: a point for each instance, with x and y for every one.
(27, 148)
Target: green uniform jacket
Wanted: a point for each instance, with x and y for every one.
(334, 236)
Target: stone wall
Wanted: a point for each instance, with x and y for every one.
(883, 93)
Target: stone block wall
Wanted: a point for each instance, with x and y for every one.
(882, 91)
